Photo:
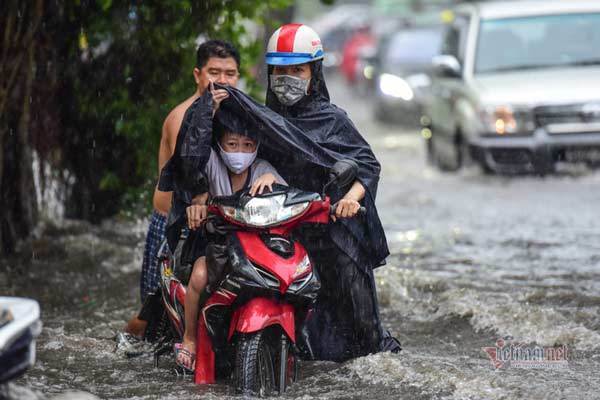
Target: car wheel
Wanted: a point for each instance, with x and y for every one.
(440, 161)
(465, 158)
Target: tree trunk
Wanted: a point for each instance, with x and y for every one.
(18, 206)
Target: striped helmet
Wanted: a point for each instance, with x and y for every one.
(294, 44)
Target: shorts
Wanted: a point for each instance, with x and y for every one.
(150, 278)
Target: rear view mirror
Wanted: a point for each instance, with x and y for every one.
(446, 66)
(343, 173)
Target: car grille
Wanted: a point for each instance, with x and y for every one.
(566, 119)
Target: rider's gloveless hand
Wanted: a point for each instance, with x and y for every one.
(196, 214)
(347, 208)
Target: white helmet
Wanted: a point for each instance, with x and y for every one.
(293, 44)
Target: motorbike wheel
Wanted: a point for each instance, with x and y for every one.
(254, 372)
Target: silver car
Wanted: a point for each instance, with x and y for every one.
(403, 74)
(517, 86)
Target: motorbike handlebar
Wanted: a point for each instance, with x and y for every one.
(362, 211)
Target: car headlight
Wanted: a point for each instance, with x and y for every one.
(264, 211)
(395, 86)
(507, 120)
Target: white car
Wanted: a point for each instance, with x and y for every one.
(19, 327)
(517, 86)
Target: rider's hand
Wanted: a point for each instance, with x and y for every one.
(196, 214)
(347, 208)
(218, 95)
(263, 181)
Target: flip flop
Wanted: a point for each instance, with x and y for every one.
(179, 349)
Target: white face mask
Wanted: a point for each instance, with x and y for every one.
(237, 162)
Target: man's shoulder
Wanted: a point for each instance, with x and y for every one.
(175, 117)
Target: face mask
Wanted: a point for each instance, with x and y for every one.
(237, 162)
(289, 89)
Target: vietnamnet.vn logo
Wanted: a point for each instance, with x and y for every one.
(507, 354)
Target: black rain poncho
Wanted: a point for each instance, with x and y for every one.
(326, 133)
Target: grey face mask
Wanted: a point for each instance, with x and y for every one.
(289, 89)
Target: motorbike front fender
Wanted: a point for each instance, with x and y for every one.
(259, 313)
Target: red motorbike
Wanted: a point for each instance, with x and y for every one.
(263, 287)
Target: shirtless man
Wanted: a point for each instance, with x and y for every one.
(217, 61)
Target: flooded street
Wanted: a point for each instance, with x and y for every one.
(474, 258)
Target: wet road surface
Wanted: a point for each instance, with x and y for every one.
(474, 258)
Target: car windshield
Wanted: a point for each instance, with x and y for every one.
(538, 42)
(413, 47)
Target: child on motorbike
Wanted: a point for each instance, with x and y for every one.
(232, 167)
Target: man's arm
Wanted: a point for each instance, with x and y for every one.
(169, 137)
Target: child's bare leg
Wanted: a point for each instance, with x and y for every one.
(195, 287)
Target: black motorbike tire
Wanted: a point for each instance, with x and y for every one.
(254, 366)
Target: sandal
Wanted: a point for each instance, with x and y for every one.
(179, 349)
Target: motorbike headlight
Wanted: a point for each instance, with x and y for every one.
(507, 120)
(264, 211)
(393, 85)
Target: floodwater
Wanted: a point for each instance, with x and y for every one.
(474, 258)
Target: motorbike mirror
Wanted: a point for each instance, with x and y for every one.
(343, 172)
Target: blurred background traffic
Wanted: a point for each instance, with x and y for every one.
(511, 86)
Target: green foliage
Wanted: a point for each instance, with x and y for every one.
(127, 65)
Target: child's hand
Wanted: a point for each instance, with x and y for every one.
(196, 214)
(263, 181)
